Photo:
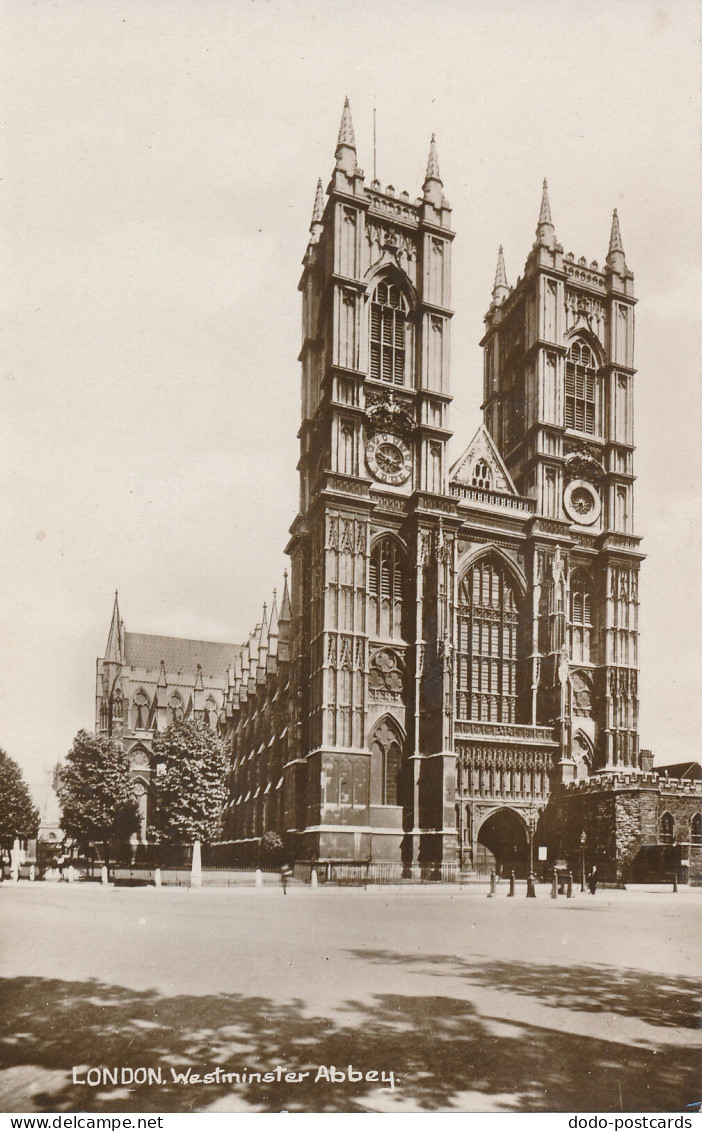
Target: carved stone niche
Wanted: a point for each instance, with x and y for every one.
(387, 413)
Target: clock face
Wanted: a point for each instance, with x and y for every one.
(388, 458)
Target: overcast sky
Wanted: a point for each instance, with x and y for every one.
(158, 175)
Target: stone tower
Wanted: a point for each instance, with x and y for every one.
(372, 710)
(558, 401)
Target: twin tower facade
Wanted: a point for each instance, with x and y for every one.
(457, 644)
(463, 638)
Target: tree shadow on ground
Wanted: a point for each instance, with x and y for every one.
(445, 1056)
(656, 999)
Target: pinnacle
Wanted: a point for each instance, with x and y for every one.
(318, 210)
(615, 239)
(545, 213)
(346, 135)
(433, 173)
(500, 273)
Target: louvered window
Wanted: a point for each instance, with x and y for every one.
(580, 619)
(386, 587)
(388, 317)
(580, 389)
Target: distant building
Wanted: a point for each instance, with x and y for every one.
(453, 675)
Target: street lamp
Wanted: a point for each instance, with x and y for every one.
(583, 841)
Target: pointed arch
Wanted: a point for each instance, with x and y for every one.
(666, 828)
(388, 582)
(141, 709)
(583, 386)
(388, 270)
(390, 305)
(590, 339)
(388, 765)
(581, 616)
(696, 829)
(489, 549)
(489, 598)
(176, 707)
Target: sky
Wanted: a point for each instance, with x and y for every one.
(158, 175)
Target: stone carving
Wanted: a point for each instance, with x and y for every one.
(580, 464)
(386, 675)
(389, 414)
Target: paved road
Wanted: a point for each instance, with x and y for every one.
(464, 1003)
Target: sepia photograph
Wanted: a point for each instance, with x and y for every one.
(350, 529)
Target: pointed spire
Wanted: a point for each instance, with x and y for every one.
(545, 233)
(615, 238)
(162, 681)
(500, 290)
(346, 135)
(285, 606)
(433, 173)
(114, 652)
(318, 210)
(198, 679)
(545, 213)
(273, 626)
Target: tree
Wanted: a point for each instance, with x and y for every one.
(96, 793)
(19, 817)
(191, 783)
(272, 848)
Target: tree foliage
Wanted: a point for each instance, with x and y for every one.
(96, 792)
(272, 848)
(191, 788)
(19, 817)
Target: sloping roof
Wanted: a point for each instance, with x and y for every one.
(690, 771)
(482, 446)
(179, 655)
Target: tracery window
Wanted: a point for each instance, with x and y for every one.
(581, 388)
(210, 713)
(386, 589)
(482, 476)
(140, 710)
(386, 747)
(388, 326)
(580, 619)
(667, 828)
(696, 829)
(487, 644)
(176, 712)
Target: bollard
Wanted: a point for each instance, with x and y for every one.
(493, 884)
(32, 873)
(511, 883)
(554, 885)
(531, 886)
(258, 878)
(157, 877)
(104, 878)
(196, 866)
(569, 885)
(675, 880)
(313, 878)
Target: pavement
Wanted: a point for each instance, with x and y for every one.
(406, 999)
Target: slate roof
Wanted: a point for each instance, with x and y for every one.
(179, 655)
(690, 771)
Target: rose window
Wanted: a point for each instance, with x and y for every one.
(385, 678)
(581, 501)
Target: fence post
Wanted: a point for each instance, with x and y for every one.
(104, 879)
(196, 867)
(511, 883)
(313, 878)
(531, 886)
(675, 879)
(493, 884)
(157, 877)
(554, 885)
(569, 885)
(258, 878)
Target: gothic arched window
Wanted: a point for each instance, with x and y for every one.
(176, 711)
(667, 828)
(696, 829)
(482, 476)
(388, 334)
(210, 713)
(580, 619)
(117, 704)
(487, 644)
(581, 388)
(140, 710)
(386, 589)
(386, 748)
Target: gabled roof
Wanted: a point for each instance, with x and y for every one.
(142, 650)
(683, 771)
(482, 446)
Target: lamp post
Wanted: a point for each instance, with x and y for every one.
(583, 841)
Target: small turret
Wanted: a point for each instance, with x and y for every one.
(316, 226)
(617, 274)
(545, 231)
(346, 143)
(433, 185)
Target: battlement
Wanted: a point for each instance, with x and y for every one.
(607, 782)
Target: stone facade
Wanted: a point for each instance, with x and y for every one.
(453, 673)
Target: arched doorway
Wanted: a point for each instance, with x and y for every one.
(503, 843)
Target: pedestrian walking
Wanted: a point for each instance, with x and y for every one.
(592, 880)
(285, 875)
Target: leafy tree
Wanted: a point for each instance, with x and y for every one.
(191, 785)
(272, 848)
(96, 793)
(19, 817)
